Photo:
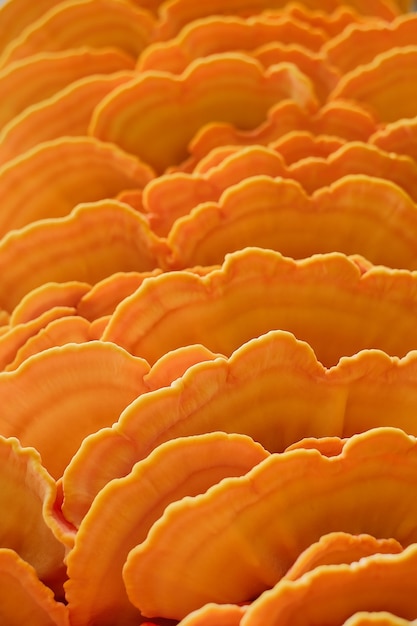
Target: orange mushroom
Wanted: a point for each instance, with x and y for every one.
(230, 88)
(248, 531)
(176, 470)
(84, 23)
(23, 598)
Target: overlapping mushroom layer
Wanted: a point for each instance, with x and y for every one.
(208, 301)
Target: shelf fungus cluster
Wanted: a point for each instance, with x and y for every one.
(208, 313)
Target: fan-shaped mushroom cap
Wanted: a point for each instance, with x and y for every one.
(175, 107)
(238, 550)
(179, 468)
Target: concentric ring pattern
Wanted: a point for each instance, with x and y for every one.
(208, 313)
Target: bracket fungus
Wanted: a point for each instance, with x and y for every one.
(208, 300)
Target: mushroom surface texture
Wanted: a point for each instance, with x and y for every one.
(208, 312)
